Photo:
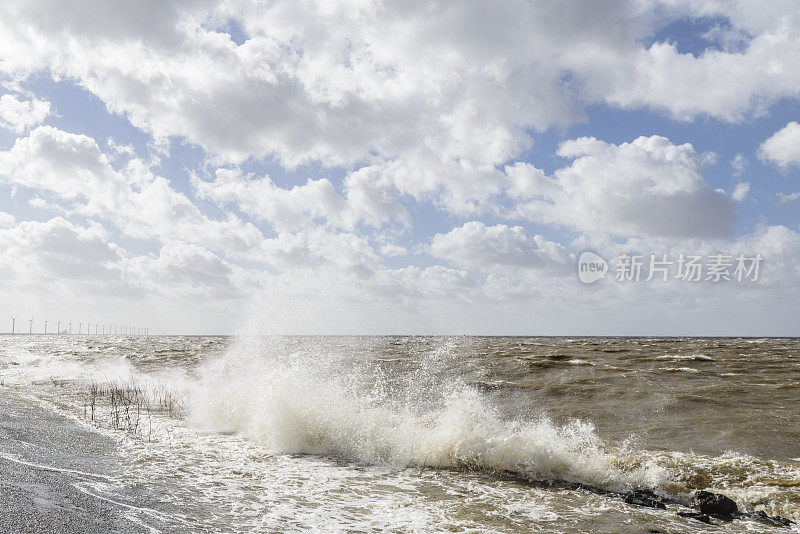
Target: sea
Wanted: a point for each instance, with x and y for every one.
(424, 434)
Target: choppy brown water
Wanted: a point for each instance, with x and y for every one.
(426, 434)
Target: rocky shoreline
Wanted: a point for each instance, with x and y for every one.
(709, 506)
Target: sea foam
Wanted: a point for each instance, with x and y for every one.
(322, 403)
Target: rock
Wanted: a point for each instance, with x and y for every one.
(722, 507)
(715, 504)
(775, 520)
(645, 498)
(703, 518)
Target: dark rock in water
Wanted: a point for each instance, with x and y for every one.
(645, 498)
(775, 520)
(703, 518)
(715, 504)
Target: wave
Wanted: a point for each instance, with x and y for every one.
(306, 402)
(437, 411)
(685, 358)
(678, 370)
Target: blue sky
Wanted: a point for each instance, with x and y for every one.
(418, 171)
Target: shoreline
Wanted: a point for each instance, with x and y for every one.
(49, 466)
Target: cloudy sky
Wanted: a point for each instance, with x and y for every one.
(401, 167)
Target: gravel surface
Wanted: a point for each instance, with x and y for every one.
(50, 469)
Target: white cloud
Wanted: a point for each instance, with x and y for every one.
(390, 250)
(418, 103)
(57, 262)
(785, 198)
(491, 247)
(719, 81)
(22, 115)
(188, 270)
(780, 248)
(319, 249)
(141, 204)
(6, 220)
(56, 251)
(369, 199)
(287, 209)
(647, 187)
(740, 191)
(435, 94)
(739, 164)
(783, 147)
(40, 203)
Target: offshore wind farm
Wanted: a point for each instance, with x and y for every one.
(87, 328)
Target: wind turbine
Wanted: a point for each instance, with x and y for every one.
(70, 328)
(13, 323)
(30, 325)
(80, 328)
(58, 327)
(45, 325)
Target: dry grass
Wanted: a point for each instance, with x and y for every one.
(130, 407)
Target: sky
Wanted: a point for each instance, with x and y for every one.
(365, 167)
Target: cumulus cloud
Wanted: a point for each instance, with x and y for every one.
(368, 199)
(329, 78)
(299, 91)
(490, 247)
(433, 95)
(22, 115)
(783, 148)
(739, 164)
(60, 260)
(648, 187)
(728, 82)
(190, 270)
(141, 204)
(740, 191)
(425, 107)
(780, 248)
(421, 105)
(6, 219)
(57, 251)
